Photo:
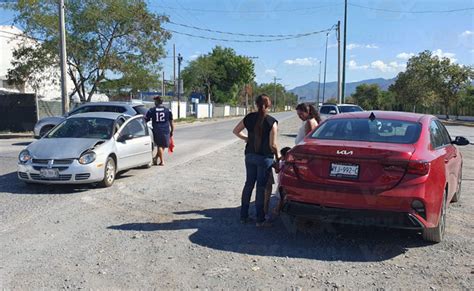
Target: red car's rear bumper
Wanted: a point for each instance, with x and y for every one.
(388, 208)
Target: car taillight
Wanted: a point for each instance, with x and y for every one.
(418, 168)
(296, 159)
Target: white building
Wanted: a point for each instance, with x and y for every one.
(49, 88)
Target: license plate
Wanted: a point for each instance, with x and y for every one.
(344, 170)
(49, 173)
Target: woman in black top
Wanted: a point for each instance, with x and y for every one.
(259, 152)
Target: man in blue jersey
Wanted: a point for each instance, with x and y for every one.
(163, 127)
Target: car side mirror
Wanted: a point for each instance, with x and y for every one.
(461, 141)
(332, 112)
(125, 137)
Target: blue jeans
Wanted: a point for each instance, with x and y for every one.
(257, 171)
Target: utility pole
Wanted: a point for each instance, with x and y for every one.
(180, 59)
(319, 85)
(275, 92)
(62, 53)
(343, 85)
(339, 86)
(325, 65)
(174, 71)
(163, 92)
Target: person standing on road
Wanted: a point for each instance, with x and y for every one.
(260, 149)
(310, 117)
(163, 127)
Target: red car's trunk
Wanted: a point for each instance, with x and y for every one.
(351, 165)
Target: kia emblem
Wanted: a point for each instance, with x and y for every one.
(344, 152)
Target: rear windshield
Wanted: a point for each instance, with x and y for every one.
(346, 109)
(99, 108)
(140, 109)
(378, 130)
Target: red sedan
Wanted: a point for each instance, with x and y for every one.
(375, 168)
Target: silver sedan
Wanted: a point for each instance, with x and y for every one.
(87, 148)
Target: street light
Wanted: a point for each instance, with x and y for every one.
(180, 59)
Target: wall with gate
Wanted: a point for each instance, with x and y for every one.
(18, 112)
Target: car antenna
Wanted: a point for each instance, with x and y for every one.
(372, 116)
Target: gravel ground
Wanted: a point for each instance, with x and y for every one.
(177, 227)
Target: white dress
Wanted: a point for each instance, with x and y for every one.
(301, 133)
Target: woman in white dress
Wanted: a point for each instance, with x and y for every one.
(310, 117)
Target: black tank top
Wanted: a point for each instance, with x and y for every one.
(250, 121)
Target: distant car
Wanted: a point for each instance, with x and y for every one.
(327, 110)
(378, 168)
(46, 124)
(87, 148)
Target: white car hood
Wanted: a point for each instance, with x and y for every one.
(60, 148)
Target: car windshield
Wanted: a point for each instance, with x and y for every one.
(346, 109)
(84, 127)
(378, 130)
(140, 109)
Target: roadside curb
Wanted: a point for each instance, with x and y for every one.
(16, 135)
(457, 123)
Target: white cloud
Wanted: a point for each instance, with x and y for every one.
(371, 46)
(270, 72)
(440, 54)
(302, 61)
(332, 45)
(354, 66)
(467, 33)
(352, 46)
(194, 56)
(390, 67)
(405, 56)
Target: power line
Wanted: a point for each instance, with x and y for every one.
(250, 41)
(242, 34)
(414, 12)
(247, 11)
(21, 35)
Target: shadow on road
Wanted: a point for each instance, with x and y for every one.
(221, 230)
(289, 135)
(26, 143)
(12, 185)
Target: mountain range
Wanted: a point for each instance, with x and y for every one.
(309, 91)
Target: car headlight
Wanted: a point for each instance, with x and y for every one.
(24, 156)
(87, 158)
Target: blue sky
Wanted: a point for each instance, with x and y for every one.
(379, 42)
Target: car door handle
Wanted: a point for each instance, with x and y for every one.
(147, 144)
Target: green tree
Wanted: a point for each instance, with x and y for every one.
(454, 79)
(221, 74)
(387, 100)
(110, 43)
(466, 102)
(429, 79)
(367, 96)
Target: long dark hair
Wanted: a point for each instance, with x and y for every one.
(263, 102)
(311, 110)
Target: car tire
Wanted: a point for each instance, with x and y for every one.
(110, 171)
(457, 195)
(436, 234)
(45, 129)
